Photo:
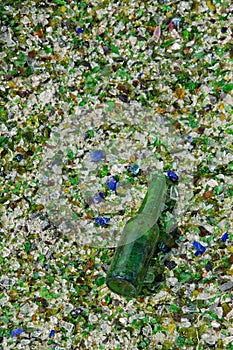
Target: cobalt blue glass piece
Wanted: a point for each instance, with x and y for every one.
(199, 247)
(134, 169)
(19, 157)
(101, 220)
(225, 236)
(51, 334)
(96, 156)
(172, 175)
(79, 30)
(112, 183)
(17, 331)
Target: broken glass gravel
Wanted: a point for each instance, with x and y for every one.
(182, 72)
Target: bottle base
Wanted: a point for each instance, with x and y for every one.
(121, 286)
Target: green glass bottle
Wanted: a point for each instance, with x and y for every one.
(138, 242)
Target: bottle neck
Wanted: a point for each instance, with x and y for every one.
(155, 196)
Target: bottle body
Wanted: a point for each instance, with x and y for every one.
(130, 263)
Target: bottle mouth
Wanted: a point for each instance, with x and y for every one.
(121, 286)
